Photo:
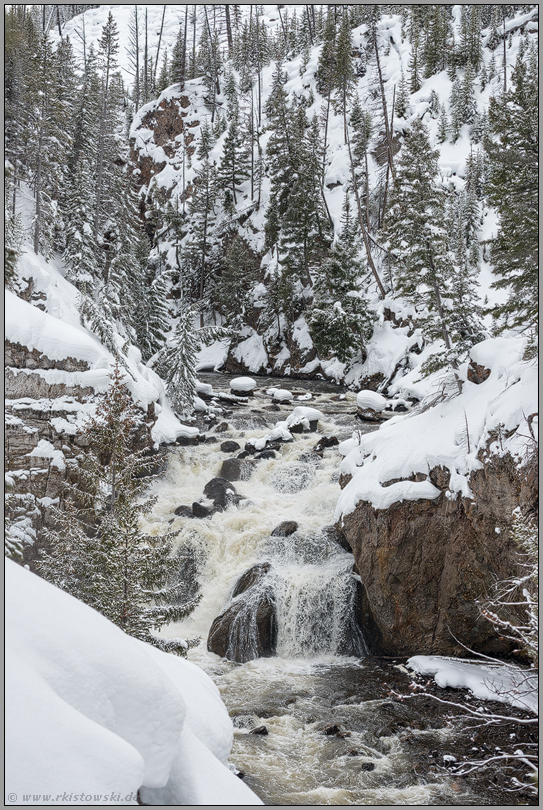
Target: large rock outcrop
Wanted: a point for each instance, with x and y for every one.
(424, 564)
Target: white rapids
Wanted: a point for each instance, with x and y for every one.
(309, 684)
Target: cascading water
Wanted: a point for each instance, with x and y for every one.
(300, 593)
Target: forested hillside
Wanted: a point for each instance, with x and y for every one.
(307, 178)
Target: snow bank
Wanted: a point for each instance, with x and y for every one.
(501, 682)
(490, 417)
(370, 399)
(93, 715)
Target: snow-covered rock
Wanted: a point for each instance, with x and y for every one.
(93, 714)
(282, 395)
(372, 400)
(243, 384)
(303, 416)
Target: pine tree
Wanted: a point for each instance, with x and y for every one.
(98, 552)
(343, 72)
(238, 276)
(234, 166)
(401, 104)
(176, 362)
(512, 188)
(339, 321)
(418, 241)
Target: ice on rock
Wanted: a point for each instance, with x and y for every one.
(371, 399)
(243, 384)
(93, 712)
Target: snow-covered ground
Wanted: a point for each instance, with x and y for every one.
(501, 682)
(490, 416)
(94, 715)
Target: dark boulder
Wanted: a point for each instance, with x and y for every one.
(326, 442)
(265, 454)
(230, 446)
(222, 427)
(187, 441)
(262, 731)
(251, 577)
(286, 528)
(211, 440)
(184, 511)
(247, 629)
(220, 491)
(235, 469)
(243, 454)
(201, 510)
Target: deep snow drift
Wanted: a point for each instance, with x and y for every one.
(94, 715)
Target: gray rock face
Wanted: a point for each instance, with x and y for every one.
(247, 629)
(201, 510)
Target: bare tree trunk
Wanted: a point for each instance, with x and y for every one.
(504, 54)
(385, 110)
(362, 223)
(390, 162)
(137, 60)
(184, 52)
(228, 31)
(145, 64)
(160, 37)
(193, 42)
(58, 20)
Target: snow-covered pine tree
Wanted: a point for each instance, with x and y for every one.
(418, 241)
(176, 362)
(512, 188)
(339, 321)
(238, 275)
(97, 551)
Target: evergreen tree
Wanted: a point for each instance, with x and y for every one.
(343, 73)
(176, 362)
(98, 552)
(401, 104)
(238, 276)
(418, 241)
(512, 188)
(339, 321)
(234, 166)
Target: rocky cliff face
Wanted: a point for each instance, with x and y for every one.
(423, 564)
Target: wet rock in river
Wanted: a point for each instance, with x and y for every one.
(262, 731)
(265, 454)
(235, 469)
(335, 534)
(184, 511)
(243, 454)
(230, 446)
(201, 510)
(222, 427)
(324, 443)
(251, 577)
(286, 528)
(247, 629)
(220, 491)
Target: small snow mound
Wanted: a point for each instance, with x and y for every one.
(370, 399)
(243, 384)
(282, 395)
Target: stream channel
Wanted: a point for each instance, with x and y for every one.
(393, 753)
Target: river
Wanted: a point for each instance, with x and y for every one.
(386, 752)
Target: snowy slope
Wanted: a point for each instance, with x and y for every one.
(491, 416)
(389, 346)
(94, 715)
(50, 324)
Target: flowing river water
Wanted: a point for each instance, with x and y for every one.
(391, 753)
